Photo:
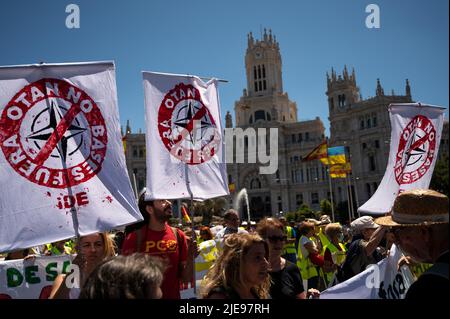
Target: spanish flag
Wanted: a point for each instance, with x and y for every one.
(185, 214)
(319, 152)
(340, 170)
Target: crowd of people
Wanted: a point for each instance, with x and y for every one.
(273, 258)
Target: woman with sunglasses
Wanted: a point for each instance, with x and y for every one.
(285, 275)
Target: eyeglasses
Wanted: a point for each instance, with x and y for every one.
(274, 239)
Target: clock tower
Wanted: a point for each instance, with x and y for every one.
(263, 65)
(264, 100)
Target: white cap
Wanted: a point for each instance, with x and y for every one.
(244, 223)
(364, 222)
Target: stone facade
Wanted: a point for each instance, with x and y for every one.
(361, 125)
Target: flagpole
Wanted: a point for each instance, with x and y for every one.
(331, 194)
(348, 201)
(191, 216)
(73, 210)
(349, 186)
(356, 195)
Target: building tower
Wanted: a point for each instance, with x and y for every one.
(264, 100)
(342, 91)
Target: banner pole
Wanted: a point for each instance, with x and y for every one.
(331, 194)
(191, 216)
(349, 187)
(350, 204)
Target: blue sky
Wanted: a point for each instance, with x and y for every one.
(209, 38)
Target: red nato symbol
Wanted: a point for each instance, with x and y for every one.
(53, 134)
(416, 150)
(186, 127)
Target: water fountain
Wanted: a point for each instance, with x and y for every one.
(237, 202)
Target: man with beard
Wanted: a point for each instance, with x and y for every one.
(155, 237)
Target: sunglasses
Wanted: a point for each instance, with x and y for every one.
(274, 239)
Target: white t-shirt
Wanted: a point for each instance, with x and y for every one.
(303, 241)
(225, 231)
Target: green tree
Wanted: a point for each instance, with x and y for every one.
(439, 180)
(325, 207)
(304, 212)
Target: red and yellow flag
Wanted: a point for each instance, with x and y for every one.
(321, 151)
(185, 214)
(340, 170)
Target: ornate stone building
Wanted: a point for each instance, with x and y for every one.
(362, 125)
(264, 104)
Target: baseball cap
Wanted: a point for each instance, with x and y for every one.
(364, 222)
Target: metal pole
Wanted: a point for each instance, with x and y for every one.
(331, 195)
(348, 201)
(191, 213)
(351, 195)
(356, 195)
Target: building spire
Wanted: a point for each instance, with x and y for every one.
(345, 73)
(408, 88)
(228, 120)
(353, 77)
(128, 128)
(379, 91)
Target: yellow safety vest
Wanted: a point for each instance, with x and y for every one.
(208, 254)
(419, 269)
(307, 268)
(323, 240)
(289, 248)
(340, 255)
(56, 252)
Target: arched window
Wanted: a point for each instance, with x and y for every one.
(255, 183)
(260, 115)
(264, 71)
(254, 72)
(259, 71)
(269, 118)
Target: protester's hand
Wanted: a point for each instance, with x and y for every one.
(405, 260)
(313, 293)
(193, 249)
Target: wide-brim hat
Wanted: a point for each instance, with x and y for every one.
(419, 207)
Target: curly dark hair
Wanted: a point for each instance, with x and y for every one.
(136, 276)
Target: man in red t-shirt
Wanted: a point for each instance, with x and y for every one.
(154, 236)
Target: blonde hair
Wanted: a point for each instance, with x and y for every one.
(109, 246)
(227, 271)
(333, 229)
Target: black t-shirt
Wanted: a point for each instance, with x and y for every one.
(429, 285)
(286, 283)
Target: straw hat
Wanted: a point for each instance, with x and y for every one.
(417, 207)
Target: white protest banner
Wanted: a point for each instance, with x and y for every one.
(380, 281)
(185, 153)
(415, 136)
(32, 278)
(62, 165)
